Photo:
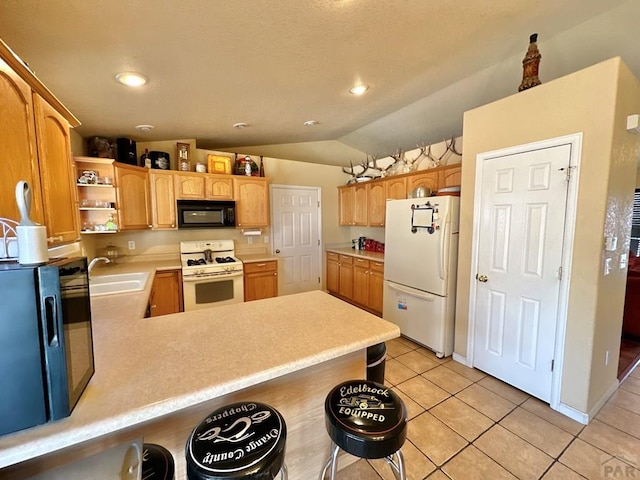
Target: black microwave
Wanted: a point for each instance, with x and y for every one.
(46, 344)
(206, 213)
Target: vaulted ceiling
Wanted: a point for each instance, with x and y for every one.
(276, 64)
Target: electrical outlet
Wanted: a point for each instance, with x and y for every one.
(606, 358)
(131, 245)
(249, 240)
(266, 238)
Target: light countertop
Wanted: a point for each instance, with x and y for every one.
(150, 367)
(256, 257)
(377, 256)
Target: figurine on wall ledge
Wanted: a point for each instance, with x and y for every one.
(530, 65)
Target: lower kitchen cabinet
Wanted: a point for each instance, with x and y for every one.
(166, 293)
(356, 280)
(367, 284)
(260, 280)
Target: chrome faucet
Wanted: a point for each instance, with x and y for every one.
(96, 260)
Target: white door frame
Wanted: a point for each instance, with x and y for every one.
(575, 141)
(320, 242)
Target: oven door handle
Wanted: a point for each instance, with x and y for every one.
(198, 278)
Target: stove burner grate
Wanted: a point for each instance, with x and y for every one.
(192, 263)
(224, 260)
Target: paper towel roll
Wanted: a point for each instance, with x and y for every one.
(32, 244)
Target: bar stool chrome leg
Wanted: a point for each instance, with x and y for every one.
(333, 462)
(397, 468)
(284, 473)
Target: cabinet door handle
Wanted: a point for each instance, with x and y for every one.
(275, 274)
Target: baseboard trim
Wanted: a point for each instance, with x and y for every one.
(583, 417)
(460, 359)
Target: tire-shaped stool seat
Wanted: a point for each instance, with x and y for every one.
(367, 420)
(244, 440)
(157, 462)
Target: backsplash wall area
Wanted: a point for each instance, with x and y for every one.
(165, 244)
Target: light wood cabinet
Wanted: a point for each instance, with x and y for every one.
(376, 286)
(364, 204)
(333, 272)
(260, 280)
(219, 187)
(252, 201)
(163, 200)
(166, 293)
(56, 170)
(396, 187)
(360, 281)
(451, 177)
(428, 179)
(134, 206)
(376, 200)
(356, 280)
(368, 280)
(201, 186)
(35, 147)
(190, 186)
(340, 275)
(361, 207)
(346, 205)
(346, 276)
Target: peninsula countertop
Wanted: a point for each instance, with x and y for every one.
(150, 367)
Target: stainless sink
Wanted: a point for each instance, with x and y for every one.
(119, 283)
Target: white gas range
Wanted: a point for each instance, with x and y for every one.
(211, 274)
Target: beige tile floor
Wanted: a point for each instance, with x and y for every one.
(466, 425)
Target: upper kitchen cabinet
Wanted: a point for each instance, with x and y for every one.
(376, 200)
(252, 201)
(396, 187)
(190, 186)
(163, 199)
(134, 206)
(57, 174)
(219, 187)
(426, 178)
(361, 211)
(451, 177)
(200, 186)
(35, 146)
(346, 204)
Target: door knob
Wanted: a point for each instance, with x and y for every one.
(482, 278)
(277, 250)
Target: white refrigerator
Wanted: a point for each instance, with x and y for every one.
(420, 266)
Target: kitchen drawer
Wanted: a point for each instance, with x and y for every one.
(377, 266)
(257, 267)
(333, 257)
(361, 262)
(346, 259)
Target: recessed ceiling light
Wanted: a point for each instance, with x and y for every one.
(240, 125)
(131, 79)
(145, 128)
(311, 123)
(359, 89)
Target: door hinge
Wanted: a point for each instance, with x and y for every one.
(318, 203)
(318, 242)
(567, 171)
(318, 279)
(552, 364)
(560, 273)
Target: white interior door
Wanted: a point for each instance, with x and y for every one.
(295, 214)
(519, 242)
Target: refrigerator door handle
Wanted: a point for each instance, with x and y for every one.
(444, 249)
(416, 293)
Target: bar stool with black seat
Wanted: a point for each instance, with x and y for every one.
(367, 420)
(244, 440)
